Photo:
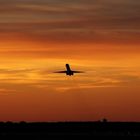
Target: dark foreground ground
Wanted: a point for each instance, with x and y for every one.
(70, 128)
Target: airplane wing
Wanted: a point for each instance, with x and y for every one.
(60, 71)
(77, 71)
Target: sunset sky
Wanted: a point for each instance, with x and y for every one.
(100, 37)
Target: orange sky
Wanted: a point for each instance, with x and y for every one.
(30, 91)
(38, 38)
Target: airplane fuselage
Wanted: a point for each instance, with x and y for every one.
(68, 70)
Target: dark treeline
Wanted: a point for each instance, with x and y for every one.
(71, 128)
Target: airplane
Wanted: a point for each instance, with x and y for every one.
(68, 71)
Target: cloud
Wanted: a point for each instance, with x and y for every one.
(90, 21)
(7, 91)
(43, 80)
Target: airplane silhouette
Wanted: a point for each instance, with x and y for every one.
(68, 71)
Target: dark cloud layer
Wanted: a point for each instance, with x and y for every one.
(57, 20)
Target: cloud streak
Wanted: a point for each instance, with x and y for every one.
(99, 78)
(90, 21)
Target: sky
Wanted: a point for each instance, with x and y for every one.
(100, 37)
